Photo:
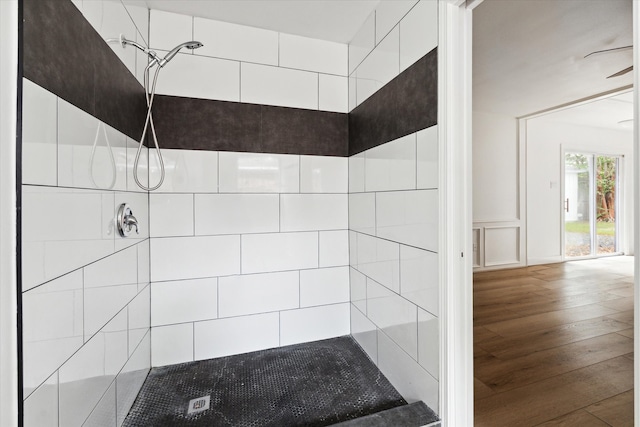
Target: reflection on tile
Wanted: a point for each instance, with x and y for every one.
(41, 407)
(55, 242)
(88, 374)
(419, 281)
(379, 259)
(388, 14)
(143, 165)
(110, 284)
(353, 249)
(187, 171)
(333, 93)
(238, 42)
(144, 276)
(409, 217)
(184, 301)
(392, 166)
(396, 316)
(363, 42)
(307, 212)
(315, 323)
(175, 258)
(196, 76)
(406, 375)
(362, 213)
(218, 338)
(39, 135)
(380, 67)
(259, 293)
(110, 19)
(303, 53)
(171, 214)
(334, 248)
(52, 327)
(324, 286)
(259, 173)
(358, 283)
(352, 91)
(418, 32)
(322, 174)
(130, 379)
(365, 333)
(104, 414)
(356, 173)
(90, 153)
(427, 154)
(140, 17)
(236, 213)
(429, 342)
(263, 253)
(263, 84)
(168, 30)
(171, 344)
(139, 315)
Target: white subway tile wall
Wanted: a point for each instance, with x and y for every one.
(394, 212)
(200, 77)
(389, 14)
(231, 265)
(86, 301)
(248, 251)
(167, 30)
(394, 37)
(246, 64)
(265, 84)
(39, 135)
(308, 54)
(394, 277)
(235, 335)
(236, 42)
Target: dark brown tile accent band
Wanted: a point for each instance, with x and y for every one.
(201, 124)
(405, 105)
(65, 55)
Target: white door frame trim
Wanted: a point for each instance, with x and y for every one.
(636, 209)
(456, 254)
(8, 216)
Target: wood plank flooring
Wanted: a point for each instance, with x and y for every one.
(553, 345)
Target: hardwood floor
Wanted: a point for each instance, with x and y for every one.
(553, 345)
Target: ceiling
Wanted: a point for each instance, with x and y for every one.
(529, 55)
(604, 113)
(333, 20)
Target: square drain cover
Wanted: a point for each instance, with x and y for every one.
(198, 405)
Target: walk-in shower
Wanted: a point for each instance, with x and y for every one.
(154, 60)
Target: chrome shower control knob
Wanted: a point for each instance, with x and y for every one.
(126, 221)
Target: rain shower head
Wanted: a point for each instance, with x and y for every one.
(189, 45)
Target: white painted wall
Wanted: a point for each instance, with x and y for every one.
(8, 225)
(495, 167)
(545, 141)
(497, 184)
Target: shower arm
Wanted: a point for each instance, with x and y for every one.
(152, 54)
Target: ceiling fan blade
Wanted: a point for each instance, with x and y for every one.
(610, 50)
(621, 73)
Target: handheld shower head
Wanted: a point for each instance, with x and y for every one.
(189, 45)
